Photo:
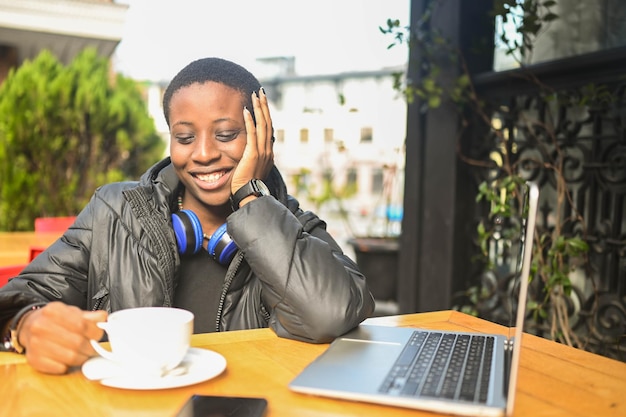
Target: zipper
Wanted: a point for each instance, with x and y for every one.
(229, 280)
(266, 314)
(99, 302)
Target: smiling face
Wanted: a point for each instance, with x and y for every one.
(208, 137)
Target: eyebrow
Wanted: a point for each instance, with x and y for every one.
(182, 122)
(223, 119)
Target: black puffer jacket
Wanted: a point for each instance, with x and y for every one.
(289, 273)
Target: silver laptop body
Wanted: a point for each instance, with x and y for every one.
(387, 365)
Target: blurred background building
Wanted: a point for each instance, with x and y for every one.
(65, 27)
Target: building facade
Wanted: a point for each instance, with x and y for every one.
(65, 27)
(347, 129)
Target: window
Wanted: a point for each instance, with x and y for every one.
(351, 179)
(329, 135)
(366, 134)
(377, 181)
(304, 135)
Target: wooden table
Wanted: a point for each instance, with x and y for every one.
(15, 246)
(554, 380)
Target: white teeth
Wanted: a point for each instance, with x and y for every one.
(209, 177)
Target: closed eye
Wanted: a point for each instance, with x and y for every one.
(184, 139)
(227, 136)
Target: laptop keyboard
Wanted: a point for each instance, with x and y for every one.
(443, 365)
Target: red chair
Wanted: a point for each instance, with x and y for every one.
(34, 251)
(53, 224)
(49, 225)
(7, 272)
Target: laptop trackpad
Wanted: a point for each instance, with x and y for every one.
(341, 365)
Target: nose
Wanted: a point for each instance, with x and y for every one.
(204, 149)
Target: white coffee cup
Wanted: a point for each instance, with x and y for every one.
(148, 340)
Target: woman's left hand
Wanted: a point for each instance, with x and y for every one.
(258, 156)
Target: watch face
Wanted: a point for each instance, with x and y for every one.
(260, 185)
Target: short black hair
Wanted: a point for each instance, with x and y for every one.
(217, 70)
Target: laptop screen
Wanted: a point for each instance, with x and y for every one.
(528, 220)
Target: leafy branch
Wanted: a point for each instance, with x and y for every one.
(522, 22)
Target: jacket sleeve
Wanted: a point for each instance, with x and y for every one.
(57, 274)
(315, 291)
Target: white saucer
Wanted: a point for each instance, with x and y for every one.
(201, 364)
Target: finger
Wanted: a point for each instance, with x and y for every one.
(49, 356)
(264, 131)
(92, 318)
(46, 364)
(92, 331)
(261, 124)
(245, 169)
(95, 316)
(251, 136)
(269, 142)
(58, 354)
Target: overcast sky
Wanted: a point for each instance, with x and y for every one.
(325, 36)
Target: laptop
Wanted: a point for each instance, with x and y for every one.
(460, 373)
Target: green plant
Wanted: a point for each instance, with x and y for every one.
(325, 192)
(335, 192)
(528, 19)
(555, 254)
(66, 130)
(521, 22)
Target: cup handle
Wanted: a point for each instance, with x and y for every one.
(99, 349)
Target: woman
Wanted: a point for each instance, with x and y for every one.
(210, 229)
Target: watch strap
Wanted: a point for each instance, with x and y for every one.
(253, 187)
(11, 341)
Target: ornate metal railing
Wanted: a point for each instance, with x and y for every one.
(585, 126)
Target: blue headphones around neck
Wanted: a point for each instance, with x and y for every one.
(189, 237)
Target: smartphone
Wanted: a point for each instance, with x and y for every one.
(219, 406)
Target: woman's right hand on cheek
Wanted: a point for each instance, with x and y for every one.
(56, 337)
(258, 156)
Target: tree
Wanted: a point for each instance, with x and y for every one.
(64, 131)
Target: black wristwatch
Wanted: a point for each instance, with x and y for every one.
(253, 187)
(11, 342)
